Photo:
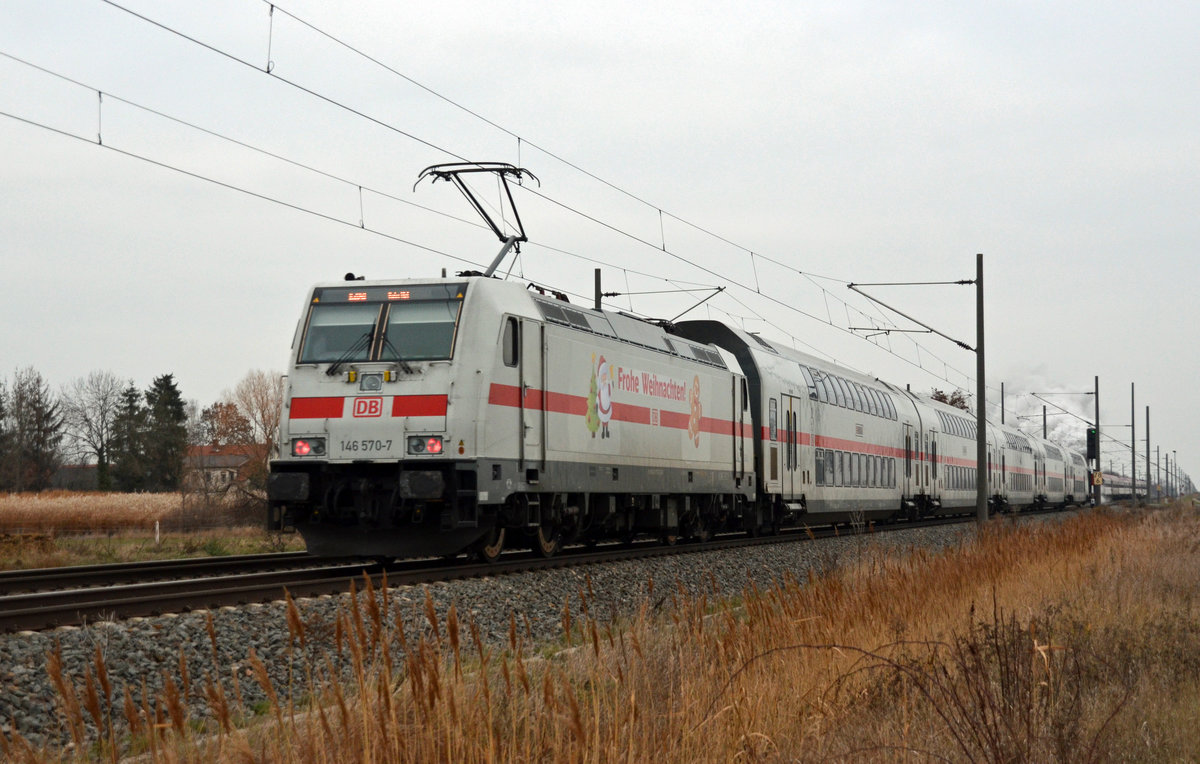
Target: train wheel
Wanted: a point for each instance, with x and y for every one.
(488, 548)
(547, 541)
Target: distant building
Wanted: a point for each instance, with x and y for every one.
(75, 477)
(216, 468)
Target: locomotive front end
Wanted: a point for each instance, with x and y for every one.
(367, 465)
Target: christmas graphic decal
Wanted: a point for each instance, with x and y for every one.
(599, 402)
(664, 396)
(697, 412)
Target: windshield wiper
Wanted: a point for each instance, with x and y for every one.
(363, 342)
(399, 358)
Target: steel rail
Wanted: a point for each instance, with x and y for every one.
(40, 579)
(74, 607)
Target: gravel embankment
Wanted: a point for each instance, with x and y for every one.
(149, 650)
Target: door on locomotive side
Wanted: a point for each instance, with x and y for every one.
(533, 391)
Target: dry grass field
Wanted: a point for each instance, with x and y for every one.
(57, 528)
(1060, 641)
(84, 511)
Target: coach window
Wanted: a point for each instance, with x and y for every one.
(827, 388)
(774, 419)
(876, 402)
(843, 394)
(808, 380)
(820, 466)
(835, 392)
(745, 396)
(838, 471)
(511, 348)
(907, 456)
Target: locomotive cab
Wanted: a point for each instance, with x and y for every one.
(364, 434)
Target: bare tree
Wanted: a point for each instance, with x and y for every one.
(89, 408)
(259, 398)
(7, 460)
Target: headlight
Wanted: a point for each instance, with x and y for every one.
(423, 444)
(370, 383)
(308, 446)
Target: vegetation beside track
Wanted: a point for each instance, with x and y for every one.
(1057, 641)
(58, 528)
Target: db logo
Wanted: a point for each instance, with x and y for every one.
(368, 407)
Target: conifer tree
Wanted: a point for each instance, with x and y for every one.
(37, 432)
(165, 434)
(128, 450)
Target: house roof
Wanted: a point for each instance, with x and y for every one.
(215, 456)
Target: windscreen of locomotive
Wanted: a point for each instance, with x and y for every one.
(416, 330)
(339, 332)
(420, 331)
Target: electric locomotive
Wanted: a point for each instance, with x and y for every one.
(432, 417)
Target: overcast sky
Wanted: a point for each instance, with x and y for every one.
(837, 141)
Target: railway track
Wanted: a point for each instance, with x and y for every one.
(81, 576)
(42, 599)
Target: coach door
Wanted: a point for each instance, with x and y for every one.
(935, 487)
(792, 476)
(1039, 475)
(741, 402)
(910, 462)
(533, 386)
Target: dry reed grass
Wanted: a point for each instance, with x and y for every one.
(57, 528)
(60, 512)
(1059, 642)
(83, 511)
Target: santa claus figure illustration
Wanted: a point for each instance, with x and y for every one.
(604, 395)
